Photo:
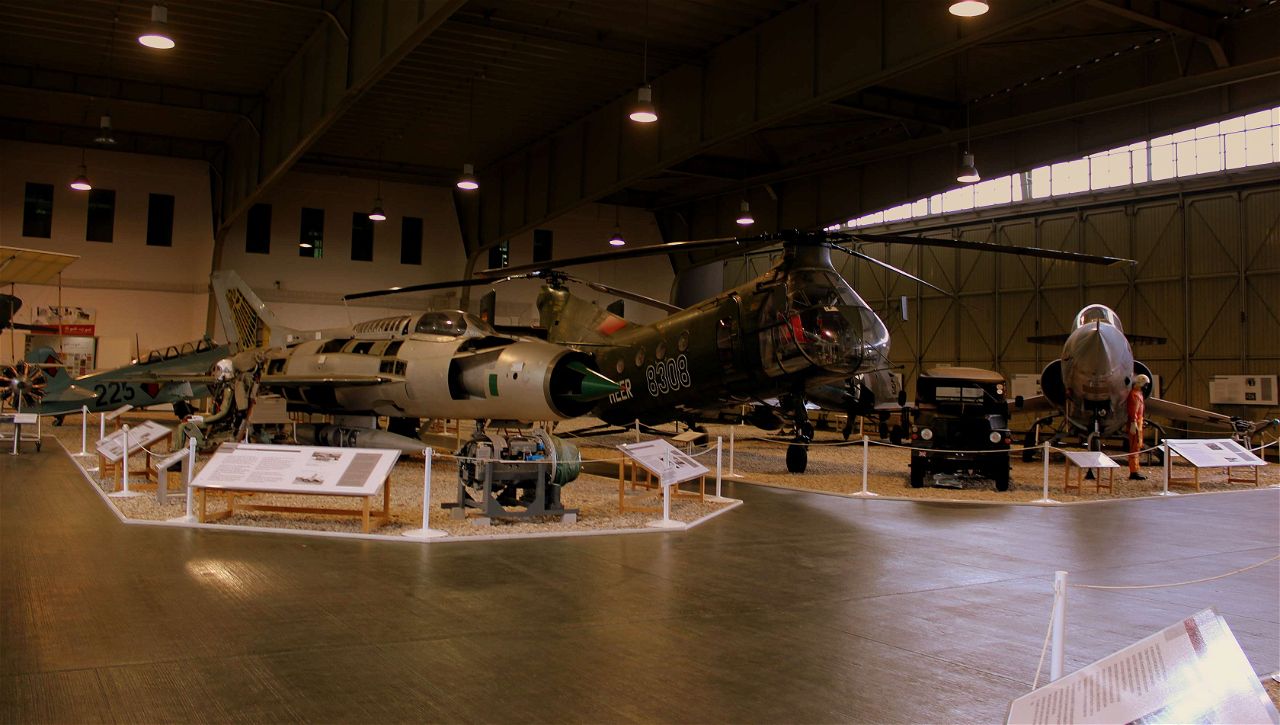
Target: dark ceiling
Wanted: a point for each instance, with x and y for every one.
(499, 77)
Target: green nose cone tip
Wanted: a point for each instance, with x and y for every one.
(593, 386)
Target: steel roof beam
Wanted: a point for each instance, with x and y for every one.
(323, 80)
(122, 89)
(799, 60)
(1170, 18)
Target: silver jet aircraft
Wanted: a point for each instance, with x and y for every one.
(1089, 385)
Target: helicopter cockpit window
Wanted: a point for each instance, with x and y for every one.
(442, 322)
(1098, 313)
(819, 322)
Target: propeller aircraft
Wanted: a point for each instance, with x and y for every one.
(798, 325)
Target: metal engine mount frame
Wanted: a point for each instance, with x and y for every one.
(524, 470)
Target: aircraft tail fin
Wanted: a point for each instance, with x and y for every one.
(246, 320)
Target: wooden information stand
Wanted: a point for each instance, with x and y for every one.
(141, 438)
(664, 467)
(1212, 453)
(1087, 459)
(239, 469)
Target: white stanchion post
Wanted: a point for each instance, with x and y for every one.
(84, 427)
(666, 522)
(124, 468)
(188, 473)
(102, 424)
(732, 473)
(719, 498)
(1044, 498)
(866, 463)
(426, 532)
(1168, 463)
(1059, 624)
(637, 430)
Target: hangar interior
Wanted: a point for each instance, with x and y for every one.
(263, 139)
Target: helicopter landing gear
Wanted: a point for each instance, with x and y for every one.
(798, 451)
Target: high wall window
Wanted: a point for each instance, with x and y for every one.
(361, 237)
(257, 234)
(542, 245)
(410, 240)
(1236, 143)
(37, 211)
(101, 220)
(160, 220)
(498, 256)
(311, 233)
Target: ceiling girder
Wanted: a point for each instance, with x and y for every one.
(796, 61)
(320, 83)
(846, 187)
(62, 134)
(881, 103)
(1171, 18)
(108, 89)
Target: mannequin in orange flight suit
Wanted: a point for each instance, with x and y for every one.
(1136, 406)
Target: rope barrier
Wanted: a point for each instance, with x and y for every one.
(1044, 648)
(1178, 584)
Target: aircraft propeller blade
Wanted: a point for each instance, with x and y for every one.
(988, 247)
(886, 265)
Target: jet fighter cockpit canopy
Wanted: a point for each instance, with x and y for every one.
(1098, 313)
(454, 323)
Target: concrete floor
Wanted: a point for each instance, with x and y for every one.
(794, 608)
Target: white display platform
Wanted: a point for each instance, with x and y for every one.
(1191, 671)
(147, 432)
(1090, 459)
(297, 469)
(1213, 452)
(668, 463)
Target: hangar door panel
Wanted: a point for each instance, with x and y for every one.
(1261, 216)
(1157, 240)
(1213, 235)
(1263, 315)
(1016, 272)
(1107, 233)
(1061, 233)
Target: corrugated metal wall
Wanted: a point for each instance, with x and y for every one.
(1208, 279)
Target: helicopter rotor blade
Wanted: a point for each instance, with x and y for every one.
(989, 247)
(886, 265)
(737, 244)
(625, 294)
(434, 285)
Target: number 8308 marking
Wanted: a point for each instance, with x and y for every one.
(668, 376)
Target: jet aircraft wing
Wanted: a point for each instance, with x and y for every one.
(1035, 404)
(1178, 411)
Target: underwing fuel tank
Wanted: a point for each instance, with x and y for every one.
(344, 437)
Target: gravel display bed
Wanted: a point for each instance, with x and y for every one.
(835, 466)
(595, 497)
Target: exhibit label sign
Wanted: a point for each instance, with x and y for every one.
(1214, 452)
(147, 433)
(665, 461)
(1190, 672)
(297, 469)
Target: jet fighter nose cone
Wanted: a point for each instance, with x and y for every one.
(592, 385)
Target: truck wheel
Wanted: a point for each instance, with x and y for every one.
(1000, 474)
(917, 476)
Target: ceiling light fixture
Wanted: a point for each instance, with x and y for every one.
(616, 240)
(968, 171)
(744, 214)
(81, 182)
(105, 135)
(968, 8)
(378, 215)
(643, 110)
(156, 35)
(467, 182)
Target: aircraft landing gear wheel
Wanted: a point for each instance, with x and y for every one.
(1158, 456)
(57, 423)
(1029, 447)
(797, 458)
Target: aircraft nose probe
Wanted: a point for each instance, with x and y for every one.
(590, 385)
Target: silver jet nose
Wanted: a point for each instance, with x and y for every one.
(1095, 357)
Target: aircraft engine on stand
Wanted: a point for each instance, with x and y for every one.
(522, 469)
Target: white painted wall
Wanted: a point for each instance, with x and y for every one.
(155, 293)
